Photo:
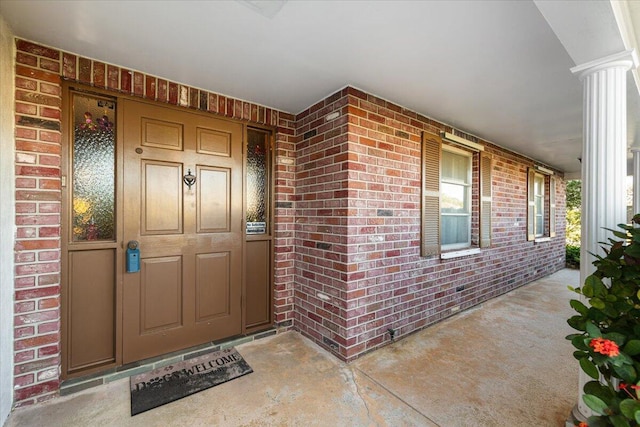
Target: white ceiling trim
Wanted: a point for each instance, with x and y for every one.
(498, 70)
(627, 59)
(623, 15)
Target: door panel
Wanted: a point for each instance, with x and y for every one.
(160, 294)
(188, 291)
(258, 283)
(91, 303)
(213, 142)
(212, 285)
(161, 134)
(161, 198)
(214, 197)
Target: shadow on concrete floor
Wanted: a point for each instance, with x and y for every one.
(504, 363)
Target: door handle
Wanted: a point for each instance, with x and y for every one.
(133, 257)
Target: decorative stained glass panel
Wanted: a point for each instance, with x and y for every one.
(257, 182)
(93, 169)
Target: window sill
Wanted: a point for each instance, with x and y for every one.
(458, 254)
(542, 239)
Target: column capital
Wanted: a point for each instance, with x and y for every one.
(635, 148)
(626, 59)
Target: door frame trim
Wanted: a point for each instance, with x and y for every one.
(270, 226)
(66, 243)
(68, 87)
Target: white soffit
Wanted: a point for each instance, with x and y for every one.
(592, 30)
(268, 8)
(624, 13)
(587, 29)
(494, 69)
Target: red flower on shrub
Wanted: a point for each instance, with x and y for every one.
(625, 387)
(605, 346)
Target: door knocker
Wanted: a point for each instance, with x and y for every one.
(189, 179)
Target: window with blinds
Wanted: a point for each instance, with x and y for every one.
(541, 212)
(447, 187)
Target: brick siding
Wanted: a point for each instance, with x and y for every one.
(347, 223)
(39, 74)
(358, 267)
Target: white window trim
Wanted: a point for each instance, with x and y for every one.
(458, 254)
(541, 195)
(468, 188)
(461, 141)
(457, 150)
(542, 239)
(549, 203)
(430, 218)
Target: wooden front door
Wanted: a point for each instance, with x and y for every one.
(188, 288)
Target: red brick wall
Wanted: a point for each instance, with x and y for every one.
(325, 203)
(347, 216)
(37, 251)
(39, 72)
(358, 228)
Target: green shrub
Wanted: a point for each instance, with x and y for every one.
(573, 256)
(608, 324)
(572, 235)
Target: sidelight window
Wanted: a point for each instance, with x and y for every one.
(257, 181)
(93, 168)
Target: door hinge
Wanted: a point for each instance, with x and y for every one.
(63, 180)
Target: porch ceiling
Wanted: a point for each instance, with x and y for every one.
(497, 69)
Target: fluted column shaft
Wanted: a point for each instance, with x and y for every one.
(604, 159)
(636, 179)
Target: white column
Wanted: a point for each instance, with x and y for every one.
(635, 149)
(604, 159)
(7, 215)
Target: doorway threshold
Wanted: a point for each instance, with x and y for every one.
(75, 385)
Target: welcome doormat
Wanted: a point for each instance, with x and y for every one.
(173, 382)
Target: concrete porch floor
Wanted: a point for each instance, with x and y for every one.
(504, 363)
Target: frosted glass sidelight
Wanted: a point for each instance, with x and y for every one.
(93, 169)
(257, 181)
